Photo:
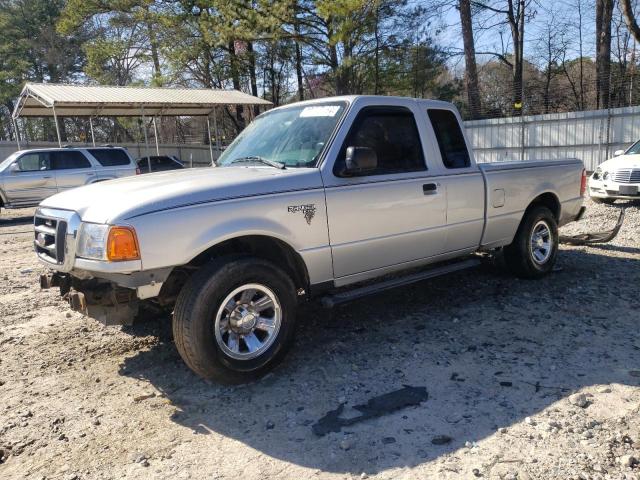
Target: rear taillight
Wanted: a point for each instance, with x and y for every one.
(138, 172)
(583, 183)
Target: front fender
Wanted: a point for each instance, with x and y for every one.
(235, 228)
(174, 237)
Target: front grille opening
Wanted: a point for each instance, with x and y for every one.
(626, 175)
(49, 238)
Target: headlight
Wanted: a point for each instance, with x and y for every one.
(107, 242)
(605, 175)
(597, 173)
(92, 241)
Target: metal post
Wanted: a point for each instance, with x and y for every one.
(600, 160)
(93, 139)
(55, 120)
(608, 131)
(146, 141)
(15, 128)
(25, 131)
(215, 128)
(522, 147)
(210, 144)
(155, 133)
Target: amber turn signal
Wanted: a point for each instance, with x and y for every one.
(122, 244)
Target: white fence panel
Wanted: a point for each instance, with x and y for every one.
(591, 136)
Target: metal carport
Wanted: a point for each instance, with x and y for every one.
(53, 100)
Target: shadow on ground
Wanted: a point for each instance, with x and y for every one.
(13, 219)
(490, 350)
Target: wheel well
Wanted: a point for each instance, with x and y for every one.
(548, 200)
(268, 248)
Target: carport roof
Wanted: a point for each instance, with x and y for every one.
(39, 100)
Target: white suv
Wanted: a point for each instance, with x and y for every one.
(29, 176)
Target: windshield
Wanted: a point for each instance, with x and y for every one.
(293, 136)
(8, 161)
(633, 149)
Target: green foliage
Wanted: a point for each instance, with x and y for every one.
(258, 46)
(32, 49)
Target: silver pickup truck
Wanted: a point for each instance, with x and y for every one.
(335, 198)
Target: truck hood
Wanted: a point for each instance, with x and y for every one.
(122, 199)
(622, 161)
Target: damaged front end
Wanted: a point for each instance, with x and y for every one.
(102, 300)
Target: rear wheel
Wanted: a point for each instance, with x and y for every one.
(234, 319)
(535, 246)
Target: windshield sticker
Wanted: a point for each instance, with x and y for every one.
(308, 210)
(320, 111)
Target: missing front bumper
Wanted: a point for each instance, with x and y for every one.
(103, 301)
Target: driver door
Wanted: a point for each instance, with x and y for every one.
(32, 181)
(389, 217)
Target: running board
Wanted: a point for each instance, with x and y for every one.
(330, 301)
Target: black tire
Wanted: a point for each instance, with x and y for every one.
(197, 307)
(519, 256)
(606, 201)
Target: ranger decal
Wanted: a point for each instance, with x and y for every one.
(309, 211)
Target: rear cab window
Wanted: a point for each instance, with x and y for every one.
(108, 157)
(453, 147)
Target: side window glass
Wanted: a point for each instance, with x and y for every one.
(393, 134)
(110, 157)
(34, 162)
(453, 148)
(68, 160)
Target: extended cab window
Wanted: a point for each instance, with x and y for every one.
(392, 133)
(34, 162)
(453, 148)
(68, 160)
(110, 157)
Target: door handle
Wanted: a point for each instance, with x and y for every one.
(430, 188)
(46, 178)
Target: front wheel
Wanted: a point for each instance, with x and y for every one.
(234, 319)
(535, 246)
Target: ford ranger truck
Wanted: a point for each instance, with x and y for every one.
(334, 198)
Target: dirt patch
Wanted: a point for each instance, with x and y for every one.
(526, 379)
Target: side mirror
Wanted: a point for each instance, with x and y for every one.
(359, 160)
(617, 153)
(14, 168)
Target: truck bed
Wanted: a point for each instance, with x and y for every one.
(510, 187)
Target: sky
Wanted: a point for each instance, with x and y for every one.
(559, 15)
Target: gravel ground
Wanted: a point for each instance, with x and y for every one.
(526, 380)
